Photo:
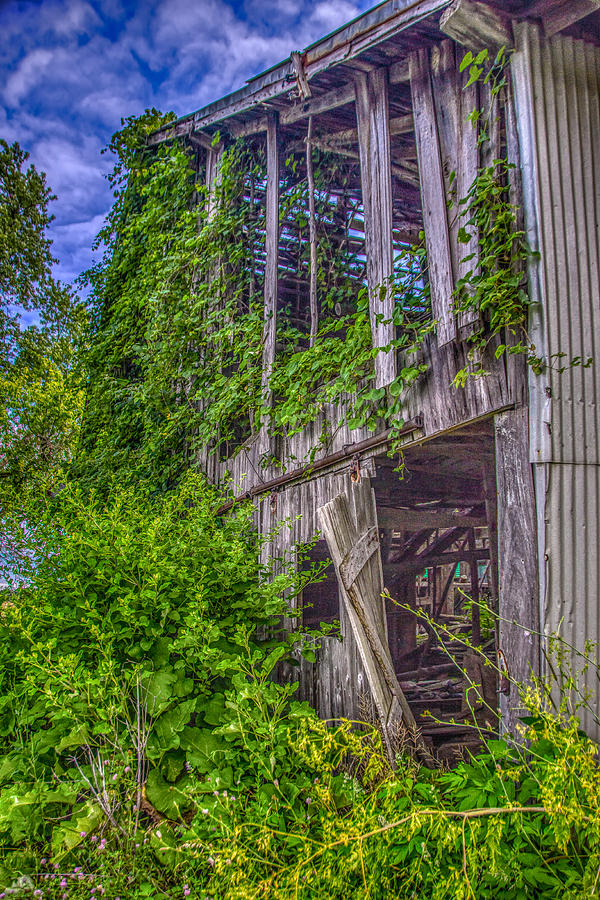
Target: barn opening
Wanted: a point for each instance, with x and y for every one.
(437, 531)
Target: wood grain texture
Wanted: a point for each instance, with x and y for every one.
(342, 521)
(372, 114)
(517, 557)
(476, 25)
(312, 231)
(433, 195)
(459, 155)
(271, 267)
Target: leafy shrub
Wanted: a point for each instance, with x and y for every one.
(147, 749)
(117, 650)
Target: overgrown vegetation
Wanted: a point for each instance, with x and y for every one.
(175, 362)
(146, 750)
(41, 386)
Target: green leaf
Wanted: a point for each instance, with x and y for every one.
(84, 821)
(201, 744)
(158, 689)
(170, 799)
(169, 725)
(466, 61)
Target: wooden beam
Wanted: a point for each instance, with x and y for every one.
(372, 114)
(301, 79)
(324, 103)
(349, 525)
(476, 25)
(169, 132)
(491, 512)
(398, 125)
(433, 195)
(399, 73)
(557, 15)
(418, 564)
(340, 50)
(247, 129)
(318, 58)
(474, 573)
(517, 558)
(415, 519)
(316, 105)
(442, 542)
(271, 267)
(207, 141)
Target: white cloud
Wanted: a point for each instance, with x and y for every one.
(75, 18)
(30, 71)
(71, 69)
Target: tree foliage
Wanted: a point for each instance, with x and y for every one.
(40, 383)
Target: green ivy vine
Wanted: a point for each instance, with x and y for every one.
(176, 356)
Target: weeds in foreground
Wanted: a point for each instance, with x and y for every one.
(146, 750)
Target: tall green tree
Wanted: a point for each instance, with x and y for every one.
(41, 384)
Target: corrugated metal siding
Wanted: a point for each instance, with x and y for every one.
(557, 87)
(573, 566)
(558, 98)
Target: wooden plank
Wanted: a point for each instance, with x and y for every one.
(312, 230)
(323, 103)
(517, 558)
(301, 79)
(435, 218)
(376, 179)
(459, 154)
(557, 15)
(416, 519)
(271, 268)
(476, 25)
(342, 528)
(358, 556)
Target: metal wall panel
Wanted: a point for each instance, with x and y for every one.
(573, 569)
(558, 108)
(557, 92)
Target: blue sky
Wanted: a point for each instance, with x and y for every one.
(70, 69)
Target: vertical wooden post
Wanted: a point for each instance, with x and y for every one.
(401, 622)
(433, 196)
(474, 572)
(314, 310)
(491, 514)
(214, 158)
(372, 114)
(271, 268)
(207, 460)
(517, 557)
(459, 153)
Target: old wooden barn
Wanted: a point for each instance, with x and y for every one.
(498, 495)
